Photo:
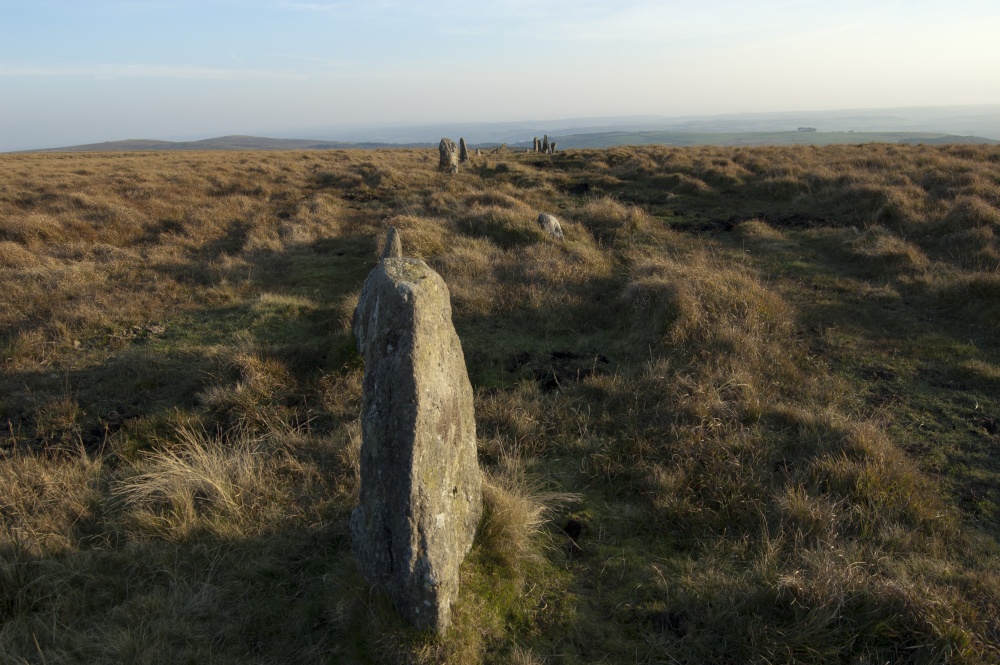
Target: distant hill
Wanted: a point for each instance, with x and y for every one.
(948, 138)
(605, 139)
(224, 143)
(979, 120)
(944, 124)
(675, 138)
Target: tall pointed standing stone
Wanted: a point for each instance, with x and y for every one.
(421, 488)
(463, 151)
(393, 248)
(545, 143)
(448, 156)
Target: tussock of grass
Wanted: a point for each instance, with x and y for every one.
(503, 226)
(198, 482)
(516, 512)
(425, 237)
(522, 656)
(969, 212)
(257, 401)
(15, 256)
(610, 220)
(43, 499)
(699, 302)
(878, 251)
(760, 230)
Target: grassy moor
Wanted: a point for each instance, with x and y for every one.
(748, 411)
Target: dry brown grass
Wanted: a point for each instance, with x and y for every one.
(229, 488)
(767, 377)
(517, 510)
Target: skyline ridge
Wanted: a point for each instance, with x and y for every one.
(982, 121)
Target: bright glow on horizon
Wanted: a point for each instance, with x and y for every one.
(89, 71)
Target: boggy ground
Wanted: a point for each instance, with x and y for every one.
(748, 411)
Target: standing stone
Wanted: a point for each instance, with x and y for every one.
(545, 143)
(393, 248)
(463, 151)
(477, 152)
(449, 156)
(535, 146)
(552, 148)
(550, 225)
(421, 488)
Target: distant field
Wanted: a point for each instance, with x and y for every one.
(758, 139)
(747, 412)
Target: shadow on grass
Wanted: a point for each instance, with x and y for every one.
(920, 361)
(294, 310)
(291, 595)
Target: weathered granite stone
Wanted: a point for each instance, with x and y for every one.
(421, 488)
(535, 145)
(463, 151)
(449, 156)
(545, 143)
(550, 225)
(393, 248)
(477, 152)
(552, 148)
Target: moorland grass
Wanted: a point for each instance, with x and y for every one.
(747, 412)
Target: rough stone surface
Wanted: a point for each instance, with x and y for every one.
(449, 155)
(535, 145)
(550, 225)
(545, 143)
(463, 151)
(421, 488)
(552, 148)
(393, 248)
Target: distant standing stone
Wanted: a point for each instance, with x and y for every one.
(552, 148)
(545, 143)
(477, 152)
(463, 151)
(393, 248)
(535, 145)
(550, 225)
(421, 488)
(449, 156)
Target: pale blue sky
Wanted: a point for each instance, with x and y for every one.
(87, 71)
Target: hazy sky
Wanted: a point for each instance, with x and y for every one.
(95, 70)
